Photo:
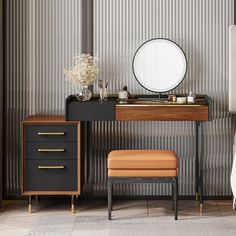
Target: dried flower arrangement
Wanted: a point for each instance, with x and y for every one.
(84, 71)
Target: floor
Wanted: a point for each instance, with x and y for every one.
(143, 217)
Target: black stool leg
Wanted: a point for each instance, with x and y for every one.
(112, 197)
(176, 198)
(109, 187)
(173, 196)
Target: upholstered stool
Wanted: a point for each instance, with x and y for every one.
(143, 166)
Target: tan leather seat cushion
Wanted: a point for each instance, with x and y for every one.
(143, 159)
(142, 173)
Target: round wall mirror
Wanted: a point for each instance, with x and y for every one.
(159, 65)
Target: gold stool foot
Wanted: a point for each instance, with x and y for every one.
(197, 196)
(201, 208)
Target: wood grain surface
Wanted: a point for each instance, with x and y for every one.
(162, 113)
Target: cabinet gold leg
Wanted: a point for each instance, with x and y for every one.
(72, 209)
(29, 205)
(72, 205)
(30, 208)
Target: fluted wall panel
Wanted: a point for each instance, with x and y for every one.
(200, 27)
(42, 37)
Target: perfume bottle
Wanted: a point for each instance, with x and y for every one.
(191, 97)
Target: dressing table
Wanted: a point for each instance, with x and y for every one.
(147, 108)
(159, 65)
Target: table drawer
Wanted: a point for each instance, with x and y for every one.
(51, 133)
(51, 150)
(50, 175)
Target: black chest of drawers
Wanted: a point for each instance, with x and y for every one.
(50, 157)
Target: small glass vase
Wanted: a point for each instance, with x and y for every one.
(84, 94)
(103, 94)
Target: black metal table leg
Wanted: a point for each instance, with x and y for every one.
(199, 156)
(36, 199)
(201, 192)
(201, 168)
(196, 162)
(91, 170)
(176, 197)
(86, 160)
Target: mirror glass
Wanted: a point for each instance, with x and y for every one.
(159, 65)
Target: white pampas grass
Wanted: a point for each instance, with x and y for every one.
(84, 71)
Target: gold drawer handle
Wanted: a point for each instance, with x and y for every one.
(51, 150)
(51, 167)
(51, 133)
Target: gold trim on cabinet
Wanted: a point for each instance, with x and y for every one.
(51, 167)
(51, 150)
(51, 133)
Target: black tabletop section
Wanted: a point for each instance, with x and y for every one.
(92, 110)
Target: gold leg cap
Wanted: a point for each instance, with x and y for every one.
(197, 196)
(201, 207)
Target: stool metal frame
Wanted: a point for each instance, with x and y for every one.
(112, 180)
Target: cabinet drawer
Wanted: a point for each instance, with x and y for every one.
(50, 175)
(51, 150)
(51, 132)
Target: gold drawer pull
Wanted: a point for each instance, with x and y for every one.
(51, 150)
(51, 133)
(51, 167)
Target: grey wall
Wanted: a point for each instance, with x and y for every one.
(43, 36)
